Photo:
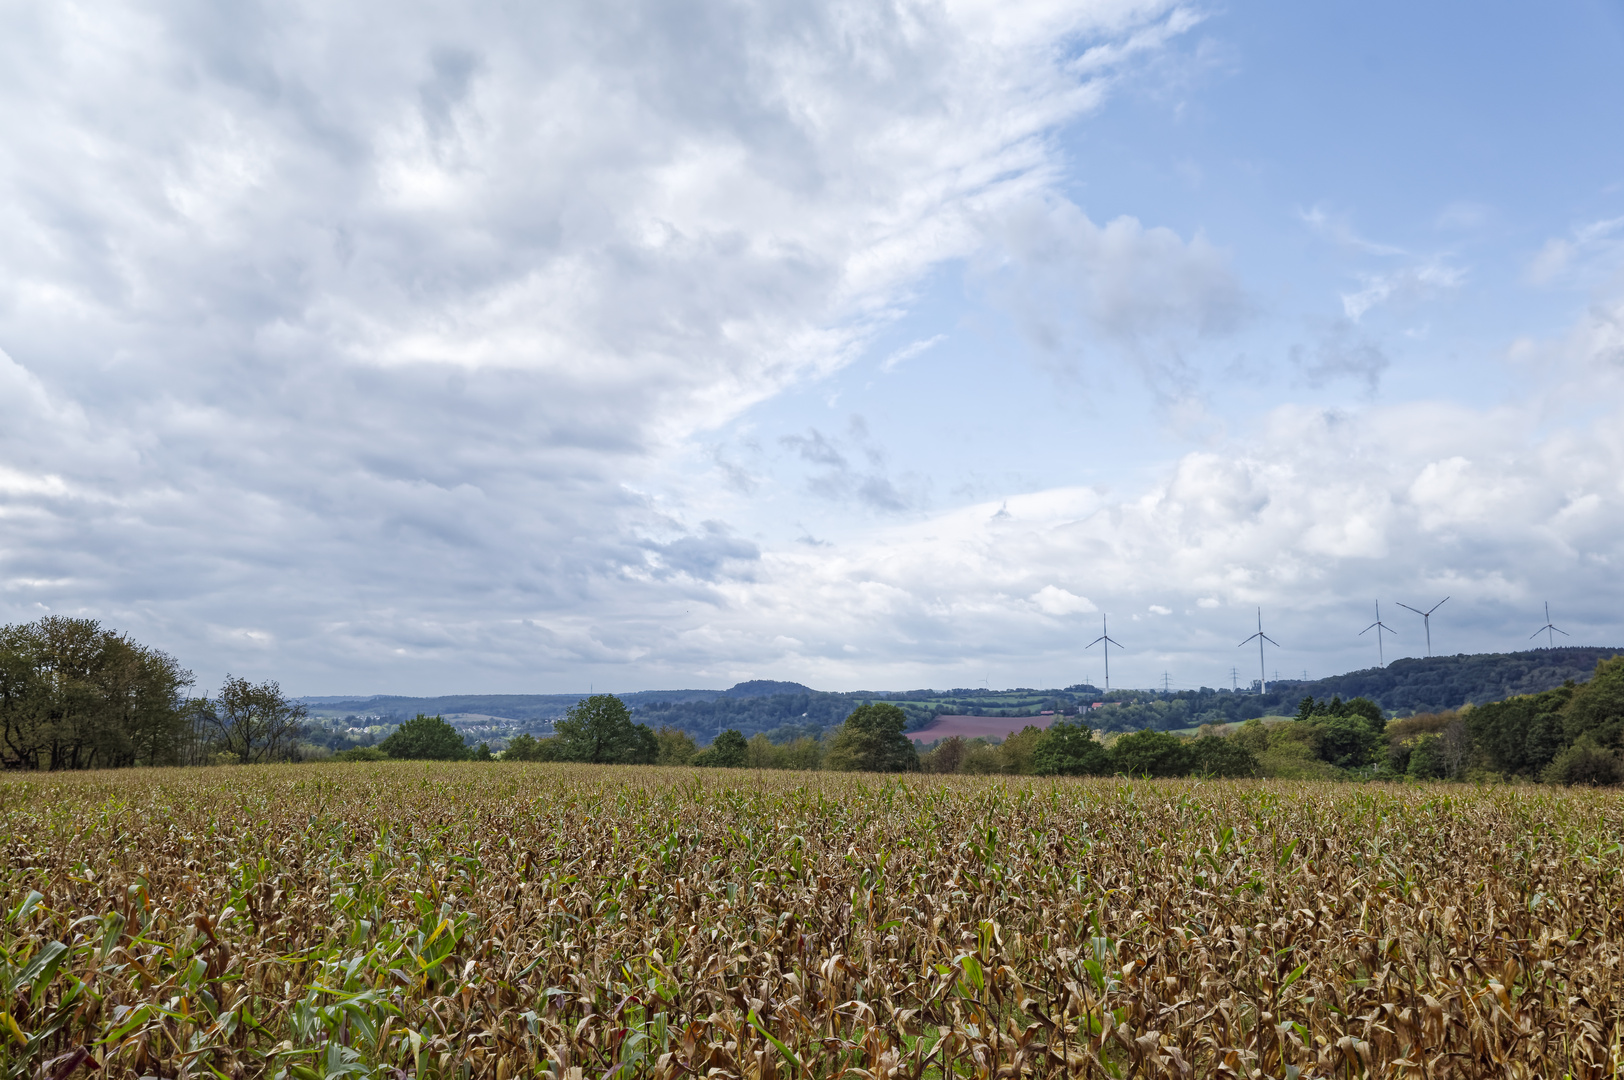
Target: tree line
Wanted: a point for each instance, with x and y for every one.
(77, 695)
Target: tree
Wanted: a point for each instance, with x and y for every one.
(599, 729)
(425, 738)
(947, 757)
(1017, 750)
(1212, 755)
(1345, 741)
(1597, 707)
(872, 740)
(1521, 735)
(526, 747)
(676, 747)
(1070, 750)
(1586, 762)
(254, 722)
(727, 751)
(1150, 753)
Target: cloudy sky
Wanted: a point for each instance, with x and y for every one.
(526, 347)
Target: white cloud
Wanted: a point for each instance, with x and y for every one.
(909, 351)
(1055, 601)
(1310, 518)
(366, 327)
(1409, 285)
(1590, 251)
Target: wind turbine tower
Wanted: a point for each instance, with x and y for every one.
(1105, 636)
(1260, 637)
(1426, 618)
(1382, 628)
(1547, 628)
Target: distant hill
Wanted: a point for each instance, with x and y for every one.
(786, 709)
(1448, 682)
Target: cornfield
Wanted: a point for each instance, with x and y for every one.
(460, 921)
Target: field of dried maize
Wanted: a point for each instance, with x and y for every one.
(456, 921)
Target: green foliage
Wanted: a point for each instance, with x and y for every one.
(872, 740)
(1070, 750)
(729, 750)
(1150, 753)
(359, 753)
(1424, 758)
(676, 747)
(1211, 755)
(425, 738)
(1597, 708)
(599, 730)
(526, 747)
(1522, 735)
(1586, 763)
(74, 695)
(253, 722)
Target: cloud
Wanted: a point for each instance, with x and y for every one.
(1336, 227)
(1589, 252)
(1310, 517)
(373, 328)
(909, 351)
(1342, 352)
(838, 480)
(1143, 294)
(1409, 285)
(1054, 601)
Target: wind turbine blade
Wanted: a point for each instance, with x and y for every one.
(1368, 629)
(1561, 631)
(1418, 611)
(1271, 641)
(1537, 633)
(1439, 604)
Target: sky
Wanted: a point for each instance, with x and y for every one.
(508, 348)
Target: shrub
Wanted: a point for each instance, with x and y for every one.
(527, 747)
(360, 753)
(1150, 753)
(1213, 755)
(1586, 763)
(1070, 750)
(727, 751)
(675, 746)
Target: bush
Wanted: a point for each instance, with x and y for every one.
(1150, 753)
(676, 747)
(1070, 750)
(1586, 762)
(526, 747)
(359, 753)
(728, 751)
(946, 757)
(1211, 755)
(1425, 760)
(1345, 741)
(425, 738)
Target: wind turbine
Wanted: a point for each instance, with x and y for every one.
(1380, 628)
(1260, 637)
(1105, 636)
(1426, 618)
(1547, 628)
